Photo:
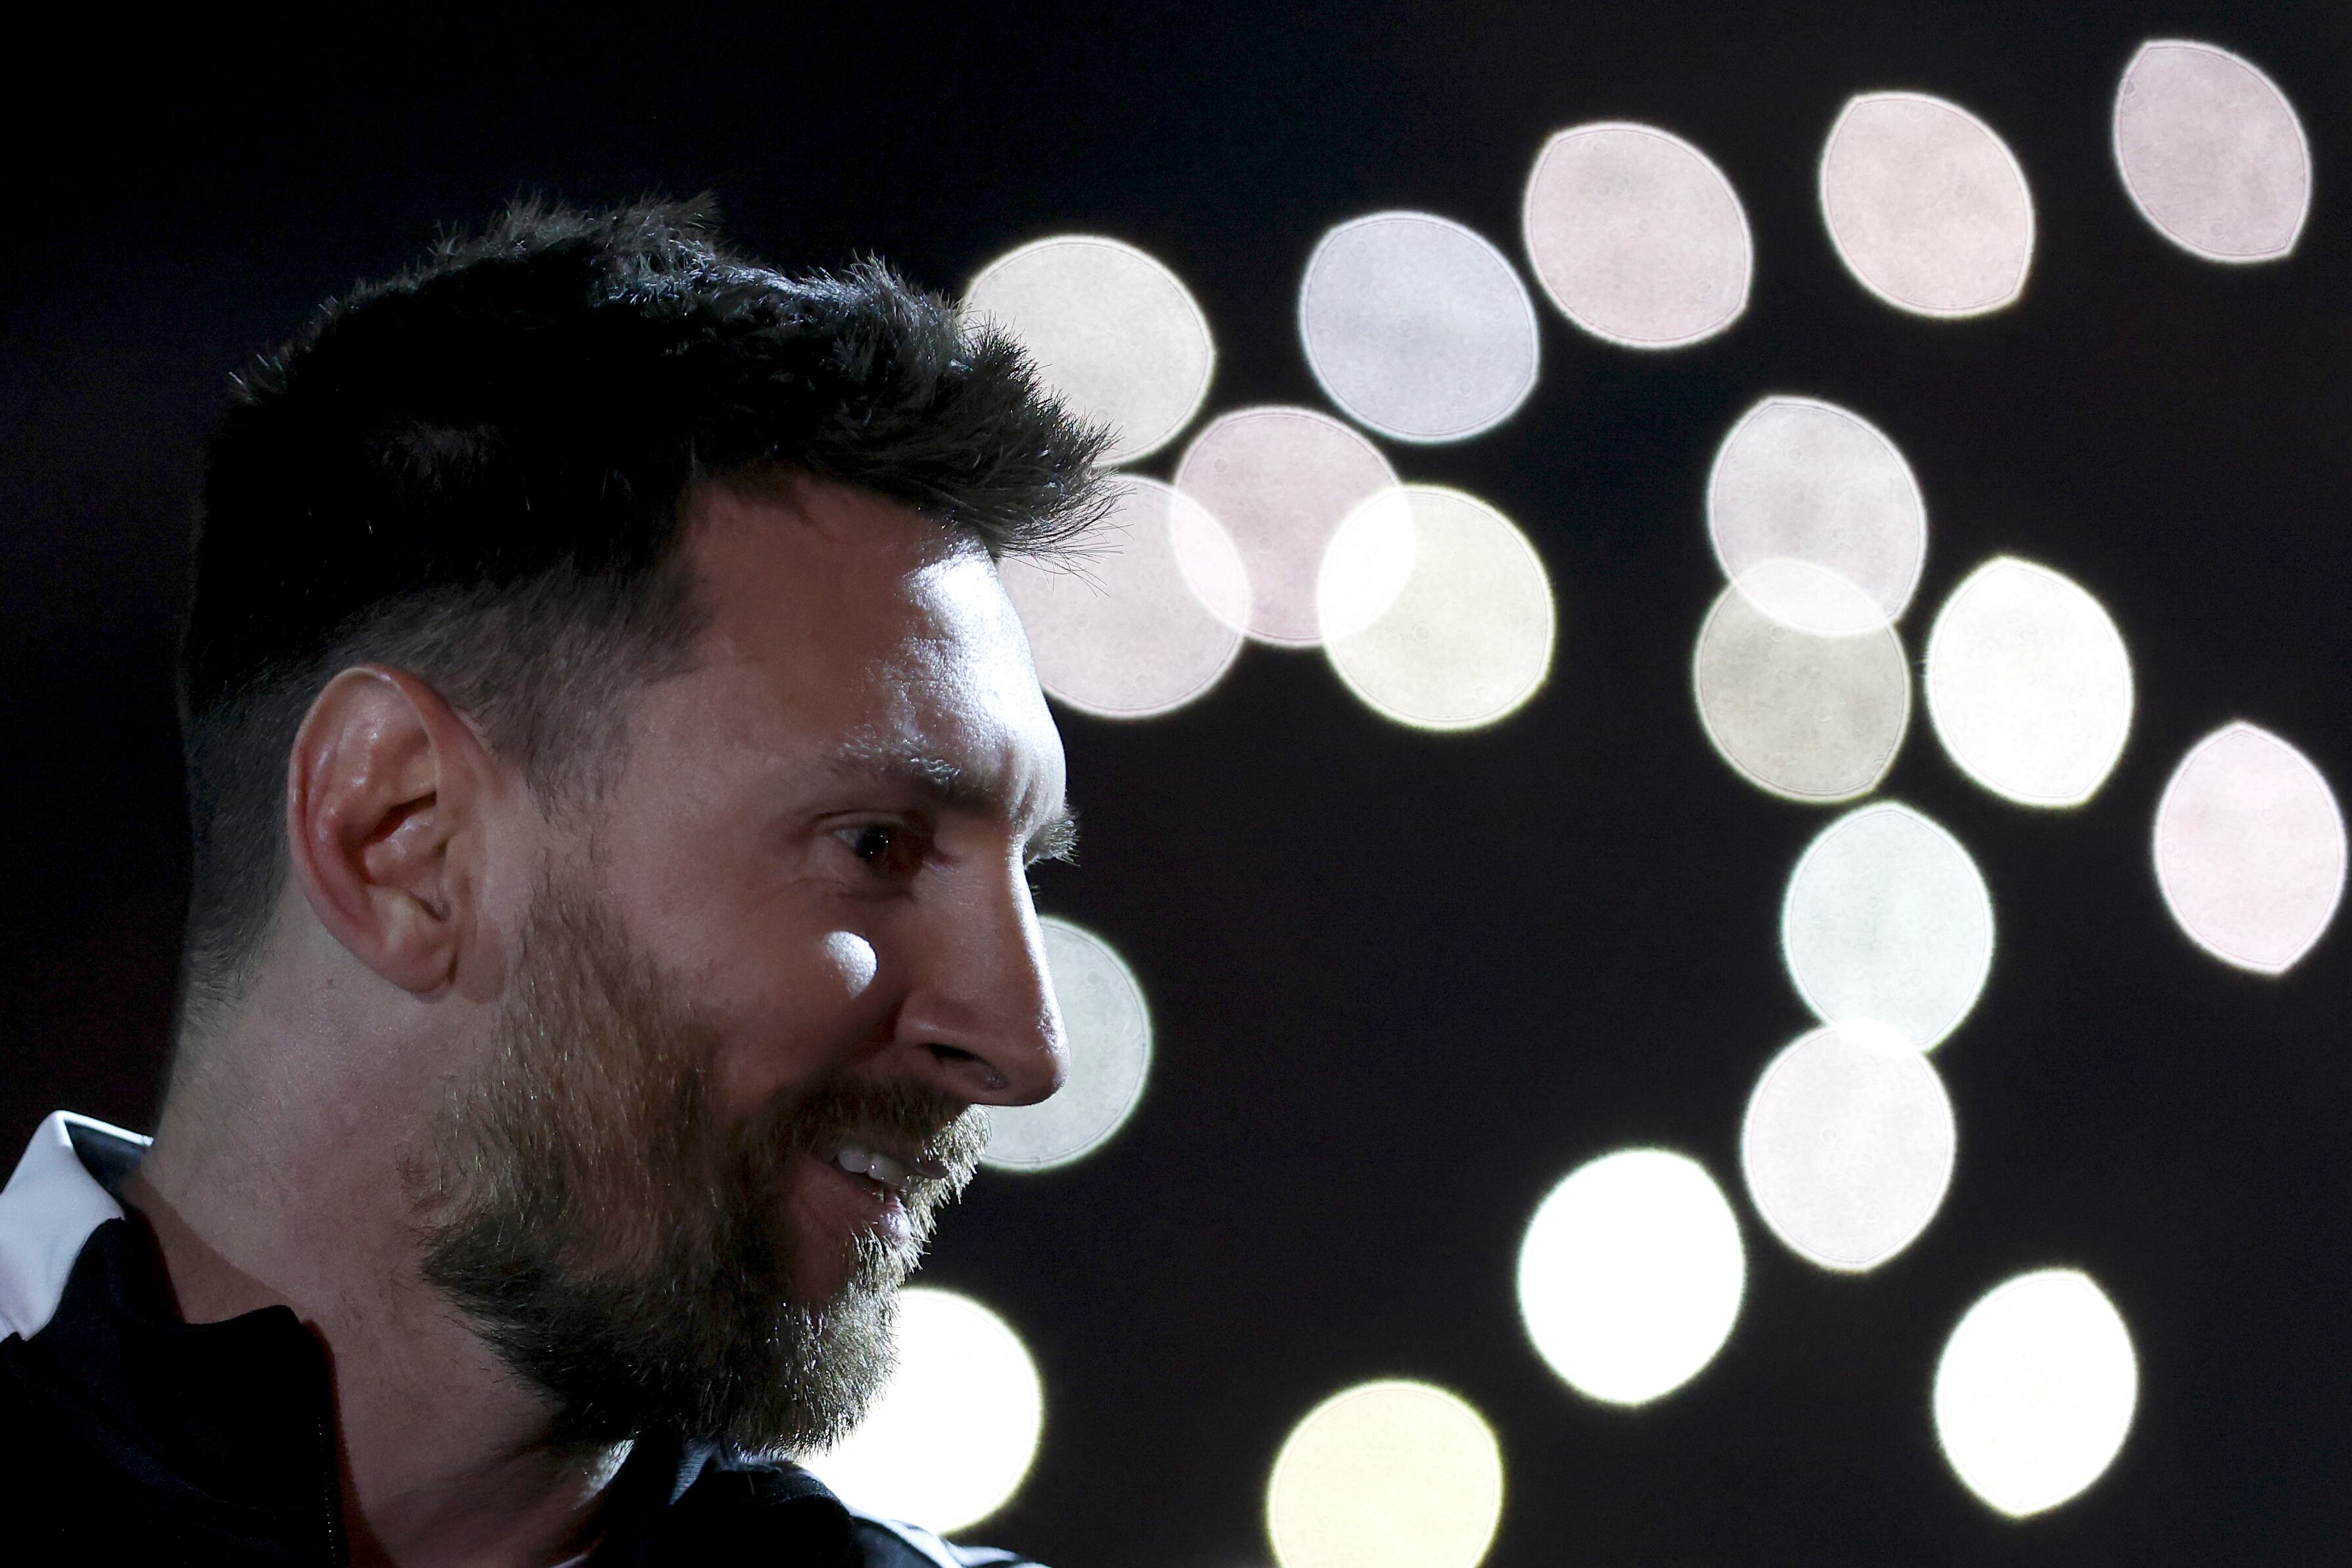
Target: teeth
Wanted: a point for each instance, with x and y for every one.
(861, 1162)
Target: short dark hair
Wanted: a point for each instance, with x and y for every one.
(479, 472)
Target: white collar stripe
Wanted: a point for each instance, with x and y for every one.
(46, 1212)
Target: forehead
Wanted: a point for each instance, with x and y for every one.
(844, 624)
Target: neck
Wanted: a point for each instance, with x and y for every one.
(295, 1195)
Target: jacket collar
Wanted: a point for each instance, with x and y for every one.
(230, 1425)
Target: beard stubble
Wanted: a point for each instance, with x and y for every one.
(621, 1249)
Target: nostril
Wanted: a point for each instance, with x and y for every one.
(956, 1058)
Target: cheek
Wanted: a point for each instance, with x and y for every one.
(807, 1016)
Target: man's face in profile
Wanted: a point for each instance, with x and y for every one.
(757, 989)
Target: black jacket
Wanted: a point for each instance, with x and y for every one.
(130, 1436)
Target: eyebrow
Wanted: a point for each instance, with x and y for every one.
(953, 787)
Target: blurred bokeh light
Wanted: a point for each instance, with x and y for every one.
(2028, 684)
(1417, 327)
(1281, 480)
(1813, 716)
(2249, 849)
(2212, 152)
(1810, 482)
(1108, 1029)
(1847, 1145)
(2035, 1391)
(1435, 609)
(1888, 920)
(952, 1438)
(1144, 620)
(1636, 235)
(1393, 1474)
(1927, 206)
(1112, 329)
(1630, 1275)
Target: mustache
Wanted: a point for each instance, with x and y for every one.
(945, 1133)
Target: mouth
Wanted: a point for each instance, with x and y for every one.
(894, 1173)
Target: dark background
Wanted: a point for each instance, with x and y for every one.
(1402, 983)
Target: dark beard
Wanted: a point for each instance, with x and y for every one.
(626, 1255)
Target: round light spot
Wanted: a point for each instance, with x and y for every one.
(1809, 716)
(1386, 1475)
(2249, 849)
(1435, 610)
(852, 958)
(951, 1439)
(1109, 1033)
(1810, 481)
(1112, 329)
(1925, 206)
(1282, 480)
(2028, 684)
(2212, 152)
(2035, 1391)
(1630, 1275)
(1637, 237)
(1887, 921)
(1417, 327)
(1142, 622)
(1847, 1147)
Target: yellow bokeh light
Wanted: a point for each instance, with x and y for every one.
(2035, 1391)
(1386, 1475)
(1435, 609)
(952, 1438)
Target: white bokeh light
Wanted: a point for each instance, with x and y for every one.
(1806, 480)
(1393, 1474)
(2212, 152)
(2035, 1391)
(1142, 621)
(1112, 329)
(2249, 849)
(1927, 206)
(1888, 920)
(1807, 715)
(1636, 235)
(1435, 609)
(1630, 1275)
(1109, 1029)
(1847, 1145)
(952, 1438)
(1417, 327)
(1282, 480)
(2028, 684)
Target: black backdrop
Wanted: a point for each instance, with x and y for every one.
(1401, 982)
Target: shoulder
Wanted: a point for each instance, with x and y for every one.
(887, 1543)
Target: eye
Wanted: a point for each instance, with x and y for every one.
(890, 849)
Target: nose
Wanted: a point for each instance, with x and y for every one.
(980, 1018)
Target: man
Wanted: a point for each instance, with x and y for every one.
(614, 765)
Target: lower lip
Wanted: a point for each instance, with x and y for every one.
(873, 1206)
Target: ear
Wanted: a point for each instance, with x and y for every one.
(384, 793)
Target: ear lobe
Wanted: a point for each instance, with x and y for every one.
(383, 792)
